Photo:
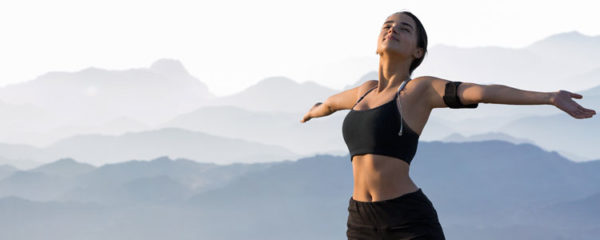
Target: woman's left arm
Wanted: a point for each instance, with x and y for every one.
(501, 94)
(470, 93)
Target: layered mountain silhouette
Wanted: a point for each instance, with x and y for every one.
(21, 156)
(276, 128)
(559, 131)
(98, 149)
(457, 137)
(66, 167)
(95, 101)
(6, 170)
(129, 181)
(543, 65)
(277, 94)
(94, 96)
(488, 189)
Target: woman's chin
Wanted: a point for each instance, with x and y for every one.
(393, 52)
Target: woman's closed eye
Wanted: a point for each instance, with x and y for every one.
(402, 29)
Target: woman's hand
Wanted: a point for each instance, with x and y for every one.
(308, 116)
(562, 100)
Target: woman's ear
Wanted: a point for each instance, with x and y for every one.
(418, 53)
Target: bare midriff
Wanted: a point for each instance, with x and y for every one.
(378, 178)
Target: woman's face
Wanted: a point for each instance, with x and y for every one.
(398, 36)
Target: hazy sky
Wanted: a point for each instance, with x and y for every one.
(231, 45)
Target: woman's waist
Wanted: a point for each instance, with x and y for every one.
(376, 188)
(380, 177)
(379, 166)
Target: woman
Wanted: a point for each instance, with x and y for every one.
(385, 121)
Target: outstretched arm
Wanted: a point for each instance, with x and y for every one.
(470, 93)
(317, 110)
(340, 101)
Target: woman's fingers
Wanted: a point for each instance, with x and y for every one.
(589, 110)
(585, 110)
(564, 102)
(575, 95)
(580, 108)
(581, 112)
(305, 118)
(570, 94)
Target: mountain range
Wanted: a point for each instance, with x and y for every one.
(98, 149)
(481, 190)
(58, 106)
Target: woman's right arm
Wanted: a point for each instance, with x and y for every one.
(340, 101)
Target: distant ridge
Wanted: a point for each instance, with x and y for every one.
(279, 94)
(65, 167)
(566, 38)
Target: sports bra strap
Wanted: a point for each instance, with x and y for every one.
(363, 96)
(402, 86)
(399, 105)
(397, 92)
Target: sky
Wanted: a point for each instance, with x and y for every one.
(230, 45)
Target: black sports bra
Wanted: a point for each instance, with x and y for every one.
(380, 130)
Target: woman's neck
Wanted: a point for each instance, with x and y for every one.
(392, 71)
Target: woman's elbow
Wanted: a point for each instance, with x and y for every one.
(475, 93)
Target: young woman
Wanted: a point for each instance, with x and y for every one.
(385, 121)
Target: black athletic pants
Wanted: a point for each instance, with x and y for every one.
(409, 216)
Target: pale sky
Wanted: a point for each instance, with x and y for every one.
(231, 45)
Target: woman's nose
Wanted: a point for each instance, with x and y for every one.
(391, 30)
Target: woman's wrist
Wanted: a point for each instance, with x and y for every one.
(552, 98)
(312, 113)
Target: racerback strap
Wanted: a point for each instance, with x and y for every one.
(363, 96)
(400, 105)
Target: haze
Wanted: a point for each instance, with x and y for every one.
(231, 45)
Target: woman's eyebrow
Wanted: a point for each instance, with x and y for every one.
(403, 23)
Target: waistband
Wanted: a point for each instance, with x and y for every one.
(416, 194)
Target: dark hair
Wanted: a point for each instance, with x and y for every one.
(421, 41)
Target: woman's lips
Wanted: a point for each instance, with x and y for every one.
(391, 37)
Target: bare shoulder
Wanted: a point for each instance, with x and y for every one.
(347, 98)
(367, 85)
(422, 84)
(433, 89)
